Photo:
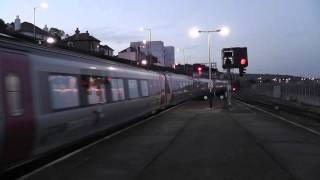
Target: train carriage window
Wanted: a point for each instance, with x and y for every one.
(156, 87)
(95, 89)
(64, 91)
(133, 88)
(144, 88)
(14, 94)
(117, 86)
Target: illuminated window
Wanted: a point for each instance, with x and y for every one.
(14, 94)
(96, 90)
(144, 88)
(117, 89)
(133, 88)
(63, 91)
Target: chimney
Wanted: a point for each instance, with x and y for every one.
(87, 33)
(46, 28)
(17, 24)
(77, 31)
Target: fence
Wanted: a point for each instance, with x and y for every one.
(308, 93)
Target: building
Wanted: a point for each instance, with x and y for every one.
(132, 53)
(82, 41)
(157, 50)
(87, 42)
(169, 56)
(27, 29)
(106, 50)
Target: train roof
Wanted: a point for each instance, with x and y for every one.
(13, 43)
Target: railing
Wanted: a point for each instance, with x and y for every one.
(307, 93)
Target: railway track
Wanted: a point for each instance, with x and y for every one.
(305, 125)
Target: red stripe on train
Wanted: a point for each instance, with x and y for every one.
(19, 130)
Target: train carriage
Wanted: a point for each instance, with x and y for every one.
(52, 98)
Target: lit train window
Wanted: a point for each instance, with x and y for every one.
(133, 88)
(64, 91)
(154, 87)
(117, 89)
(14, 94)
(144, 88)
(96, 90)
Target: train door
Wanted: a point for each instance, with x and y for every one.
(17, 105)
(163, 100)
(168, 89)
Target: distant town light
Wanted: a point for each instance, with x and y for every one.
(224, 31)
(44, 5)
(51, 40)
(144, 41)
(194, 32)
(93, 67)
(144, 62)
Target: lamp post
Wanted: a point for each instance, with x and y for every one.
(195, 32)
(43, 5)
(150, 32)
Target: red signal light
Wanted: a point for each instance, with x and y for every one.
(199, 68)
(243, 61)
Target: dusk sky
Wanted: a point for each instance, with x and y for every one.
(282, 36)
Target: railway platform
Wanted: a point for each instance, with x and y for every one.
(193, 141)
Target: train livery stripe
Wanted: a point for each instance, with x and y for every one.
(19, 124)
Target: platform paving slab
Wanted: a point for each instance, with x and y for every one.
(190, 142)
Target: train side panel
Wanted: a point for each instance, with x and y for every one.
(1, 113)
(89, 114)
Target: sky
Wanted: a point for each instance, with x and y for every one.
(282, 36)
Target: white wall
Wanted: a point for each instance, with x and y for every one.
(127, 55)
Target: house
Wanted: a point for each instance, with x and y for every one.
(132, 53)
(164, 54)
(106, 50)
(135, 54)
(87, 42)
(27, 29)
(82, 41)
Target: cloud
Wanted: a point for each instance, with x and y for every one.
(116, 35)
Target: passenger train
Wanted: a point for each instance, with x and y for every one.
(50, 98)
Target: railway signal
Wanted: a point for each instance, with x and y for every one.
(198, 68)
(235, 57)
(242, 71)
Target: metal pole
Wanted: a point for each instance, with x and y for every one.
(184, 57)
(150, 59)
(210, 78)
(229, 87)
(184, 61)
(34, 23)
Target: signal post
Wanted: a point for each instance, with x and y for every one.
(235, 57)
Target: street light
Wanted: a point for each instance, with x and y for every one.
(51, 40)
(150, 31)
(43, 5)
(144, 62)
(194, 33)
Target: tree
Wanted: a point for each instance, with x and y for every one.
(3, 25)
(57, 33)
